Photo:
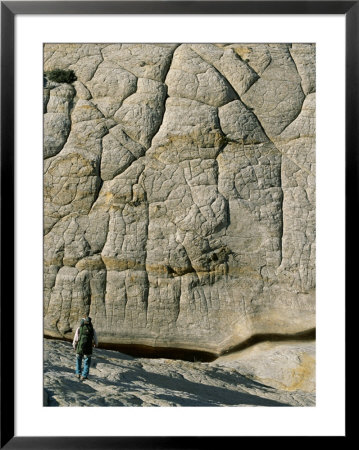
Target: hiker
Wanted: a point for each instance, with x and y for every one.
(84, 337)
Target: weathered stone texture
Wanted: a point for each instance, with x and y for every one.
(284, 365)
(179, 192)
(280, 375)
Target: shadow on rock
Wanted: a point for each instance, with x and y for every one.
(50, 400)
(237, 379)
(198, 394)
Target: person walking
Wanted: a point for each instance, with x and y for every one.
(84, 338)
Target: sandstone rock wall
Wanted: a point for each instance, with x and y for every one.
(179, 192)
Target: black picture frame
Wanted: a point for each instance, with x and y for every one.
(9, 10)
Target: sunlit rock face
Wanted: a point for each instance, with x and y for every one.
(179, 192)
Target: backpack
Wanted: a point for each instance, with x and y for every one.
(84, 345)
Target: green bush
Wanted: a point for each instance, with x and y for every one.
(61, 76)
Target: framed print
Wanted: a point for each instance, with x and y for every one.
(185, 217)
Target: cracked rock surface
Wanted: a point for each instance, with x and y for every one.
(179, 192)
(117, 379)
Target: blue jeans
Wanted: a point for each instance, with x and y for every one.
(87, 363)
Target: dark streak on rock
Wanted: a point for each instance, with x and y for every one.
(307, 335)
(147, 351)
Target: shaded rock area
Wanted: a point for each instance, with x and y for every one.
(179, 193)
(117, 379)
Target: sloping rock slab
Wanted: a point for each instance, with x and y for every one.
(117, 379)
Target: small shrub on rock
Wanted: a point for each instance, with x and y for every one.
(61, 76)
